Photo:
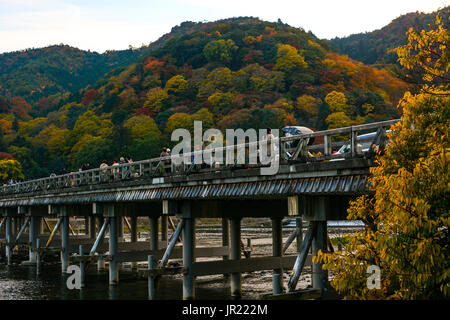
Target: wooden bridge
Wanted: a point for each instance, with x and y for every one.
(313, 183)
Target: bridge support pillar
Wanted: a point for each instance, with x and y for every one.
(113, 239)
(9, 239)
(235, 254)
(153, 233)
(64, 239)
(188, 251)
(277, 249)
(100, 262)
(319, 242)
(32, 234)
(133, 235)
(225, 238)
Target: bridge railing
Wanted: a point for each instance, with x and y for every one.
(289, 149)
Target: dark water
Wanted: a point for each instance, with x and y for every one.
(21, 283)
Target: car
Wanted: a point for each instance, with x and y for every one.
(366, 141)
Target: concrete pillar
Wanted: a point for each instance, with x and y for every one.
(133, 235)
(225, 238)
(100, 263)
(9, 239)
(277, 250)
(113, 271)
(32, 236)
(154, 233)
(319, 242)
(188, 252)
(64, 240)
(235, 254)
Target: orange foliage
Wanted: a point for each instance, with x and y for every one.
(362, 76)
(153, 64)
(5, 126)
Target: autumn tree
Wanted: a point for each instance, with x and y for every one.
(157, 100)
(20, 107)
(289, 59)
(407, 220)
(427, 55)
(10, 169)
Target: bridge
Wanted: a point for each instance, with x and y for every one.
(313, 184)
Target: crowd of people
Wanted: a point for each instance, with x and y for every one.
(10, 182)
(166, 152)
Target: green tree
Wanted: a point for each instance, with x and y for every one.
(220, 50)
(95, 151)
(205, 116)
(179, 120)
(140, 126)
(221, 103)
(177, 86)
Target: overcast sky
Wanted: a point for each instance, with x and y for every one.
(99, 25)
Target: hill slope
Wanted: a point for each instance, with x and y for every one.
(372, 47)
(36, 73)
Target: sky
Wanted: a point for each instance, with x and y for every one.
(100, 25)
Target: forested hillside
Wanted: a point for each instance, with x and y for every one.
(372, 47)
(234, 73)
(42, 76)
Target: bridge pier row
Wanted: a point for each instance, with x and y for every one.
(277, 251)
(235, 254)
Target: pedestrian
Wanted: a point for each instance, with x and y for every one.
(166, 163)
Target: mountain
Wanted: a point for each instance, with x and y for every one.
(36, 73)
(372, 47)
(233, 73)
